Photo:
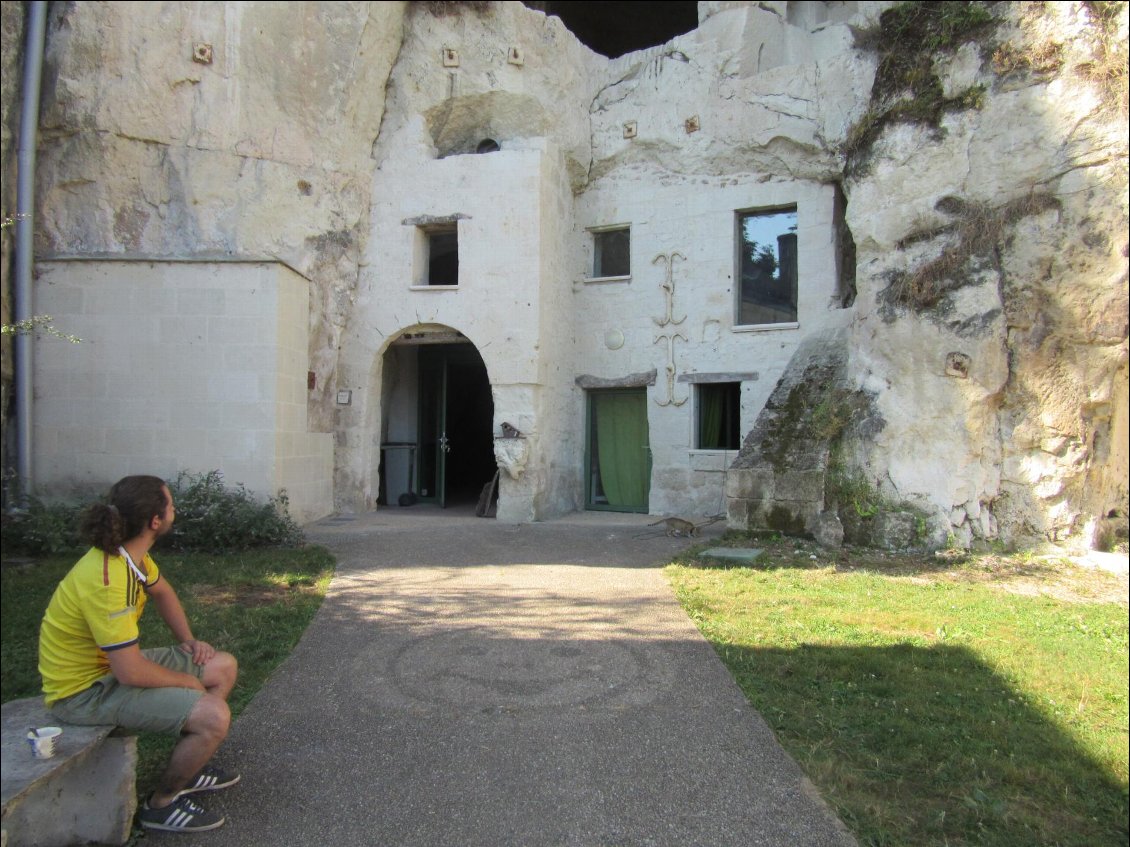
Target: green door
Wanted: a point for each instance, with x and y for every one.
(617, 450)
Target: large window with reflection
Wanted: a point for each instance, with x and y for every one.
(767, 267)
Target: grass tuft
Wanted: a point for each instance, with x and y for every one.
(907, 88)
(978, 231)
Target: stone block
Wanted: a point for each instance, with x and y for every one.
(737, 514)
(801, 485)
(857, 529)
(790, 517)
(894, 530)
(828, 530)
(751, 484)
(785, 516)
(85, 793)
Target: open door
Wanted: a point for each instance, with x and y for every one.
(618, 451)
(433, 441)
(455, 420)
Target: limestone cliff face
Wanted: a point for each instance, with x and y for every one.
(988, 209)
(991, 321)
(236, 130)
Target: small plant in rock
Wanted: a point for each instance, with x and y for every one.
(907, 87)
(1108, 70)
(447, 8)
(835, 412)
(978, 230)
(850, 489)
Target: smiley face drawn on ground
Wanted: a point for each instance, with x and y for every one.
(479, 667)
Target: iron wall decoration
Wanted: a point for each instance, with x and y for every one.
(670, 339)
(668, 286)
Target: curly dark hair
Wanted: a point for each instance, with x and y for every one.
(132, 503)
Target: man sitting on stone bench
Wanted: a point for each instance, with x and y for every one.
(95, 672)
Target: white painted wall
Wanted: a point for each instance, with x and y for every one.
(497, 304)
(694, 217)
(525, 300)
(183, 366)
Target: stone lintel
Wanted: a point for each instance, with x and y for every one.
(704, 378)
(435, 220)
(640, 380)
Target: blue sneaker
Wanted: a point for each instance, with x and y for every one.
(209, 779)
(182, 815)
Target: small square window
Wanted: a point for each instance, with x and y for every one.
(718, 416)
(443, 256)
(767, 267)
(612, 252)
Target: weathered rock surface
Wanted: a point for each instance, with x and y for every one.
(1028, 438)
(263, 152)
(990, 318)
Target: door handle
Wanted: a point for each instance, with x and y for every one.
(443, 444)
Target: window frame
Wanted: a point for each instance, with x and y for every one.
(734, 386)
(596, 232)
(740, 215)
(425, 235)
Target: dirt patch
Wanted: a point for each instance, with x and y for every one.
(248, 596)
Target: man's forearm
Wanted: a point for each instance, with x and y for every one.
(172, 613)
(130, 667)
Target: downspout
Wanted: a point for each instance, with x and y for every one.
(25, 209)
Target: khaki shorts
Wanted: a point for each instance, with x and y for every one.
(162, 710)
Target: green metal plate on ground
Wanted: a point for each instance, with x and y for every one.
(731, 554)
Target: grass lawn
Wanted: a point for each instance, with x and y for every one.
(255, 604)
(932, 701)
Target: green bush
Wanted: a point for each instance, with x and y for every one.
(42, 528)
(210, 517)
(213, 517)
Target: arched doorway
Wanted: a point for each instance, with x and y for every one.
(437, 438)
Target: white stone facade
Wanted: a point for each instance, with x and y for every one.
(182, 366)
(345, 159)
(525, 298)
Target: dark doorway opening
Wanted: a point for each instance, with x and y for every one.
(456, 423)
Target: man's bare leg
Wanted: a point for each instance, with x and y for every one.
(206, 728)
(220, 674)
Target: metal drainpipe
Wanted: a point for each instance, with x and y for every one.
(25, 209)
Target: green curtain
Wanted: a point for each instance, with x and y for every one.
(620, 420)
(710, 403)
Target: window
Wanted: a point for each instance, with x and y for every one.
(612, 250)
(443, 255)
(718, 416)
(767, 267)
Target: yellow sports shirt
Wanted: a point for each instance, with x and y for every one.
(95, 609)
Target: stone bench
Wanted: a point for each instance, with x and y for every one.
(85, 793)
